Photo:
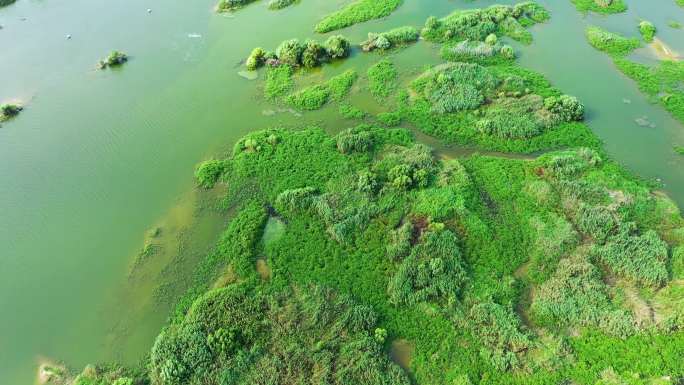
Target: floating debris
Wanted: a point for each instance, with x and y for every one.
(249, 75)
(194, 35)
(644, 122)
(68, 37)
(626, 101)
(149, 10)
(271, 112)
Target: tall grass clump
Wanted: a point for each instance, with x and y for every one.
(280, 4)
(357, 12)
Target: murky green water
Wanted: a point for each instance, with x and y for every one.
(98, 158)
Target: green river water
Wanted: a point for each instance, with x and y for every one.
(98, 158)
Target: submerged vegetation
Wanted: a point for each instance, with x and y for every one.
(357, 12)
(600, 6)
(115, 59)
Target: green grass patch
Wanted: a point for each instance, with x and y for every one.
(278, 81)
(357, 12)
(382, 79)
(647, 30)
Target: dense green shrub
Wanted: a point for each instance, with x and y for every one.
(337, 46)
(477, 51)
(231, 5)
(350, 112)
(356, 139)
(280, 4)
(576, 296)
(115, 58)
(382, 78)
(209, 172)
(647, 30)
(600, 6)
(460, 86)
(290, 52)
(433, 271)
(566, 108)
(390, 39)
(596, 222)
(356, 12)
(256, 59)
(498, 331)
(477, 24)
(340, 85)
(641, 257)
(400, 241)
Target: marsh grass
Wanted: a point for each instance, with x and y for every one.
(357, 12)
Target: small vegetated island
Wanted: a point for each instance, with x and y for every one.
(4, 3)
(399, 266)
(115, 59)
(9, 110)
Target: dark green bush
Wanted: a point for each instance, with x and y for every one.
(390, 39)
(209, 172)
(337, 46)
(290, 52)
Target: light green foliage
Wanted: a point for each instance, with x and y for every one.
(314, 97)
(293, 53)
(477, 24)
(679, 150)
(209, 172)
(389, 119)
(337, 46)
(390, 39)
(641, 257)
(311, 98)
(600, 6)
(340, 85)
(278, 81)
(356, 12)
(350, 112)
(256, 59)
(500, 335)
(611, 43)
(280, 4)
(461, 86)
(647, 30)
(478, 52)
(382, 78)
(231, 5)
(244, 336)
(433, 271)
(493, 106)
(596, 222)
(576, 296)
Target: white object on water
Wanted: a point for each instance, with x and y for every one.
(68, 37)
(149, 10)
(194, 35)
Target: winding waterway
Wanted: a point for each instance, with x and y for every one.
(98, 158)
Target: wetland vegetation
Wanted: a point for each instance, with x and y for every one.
(535, 259)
